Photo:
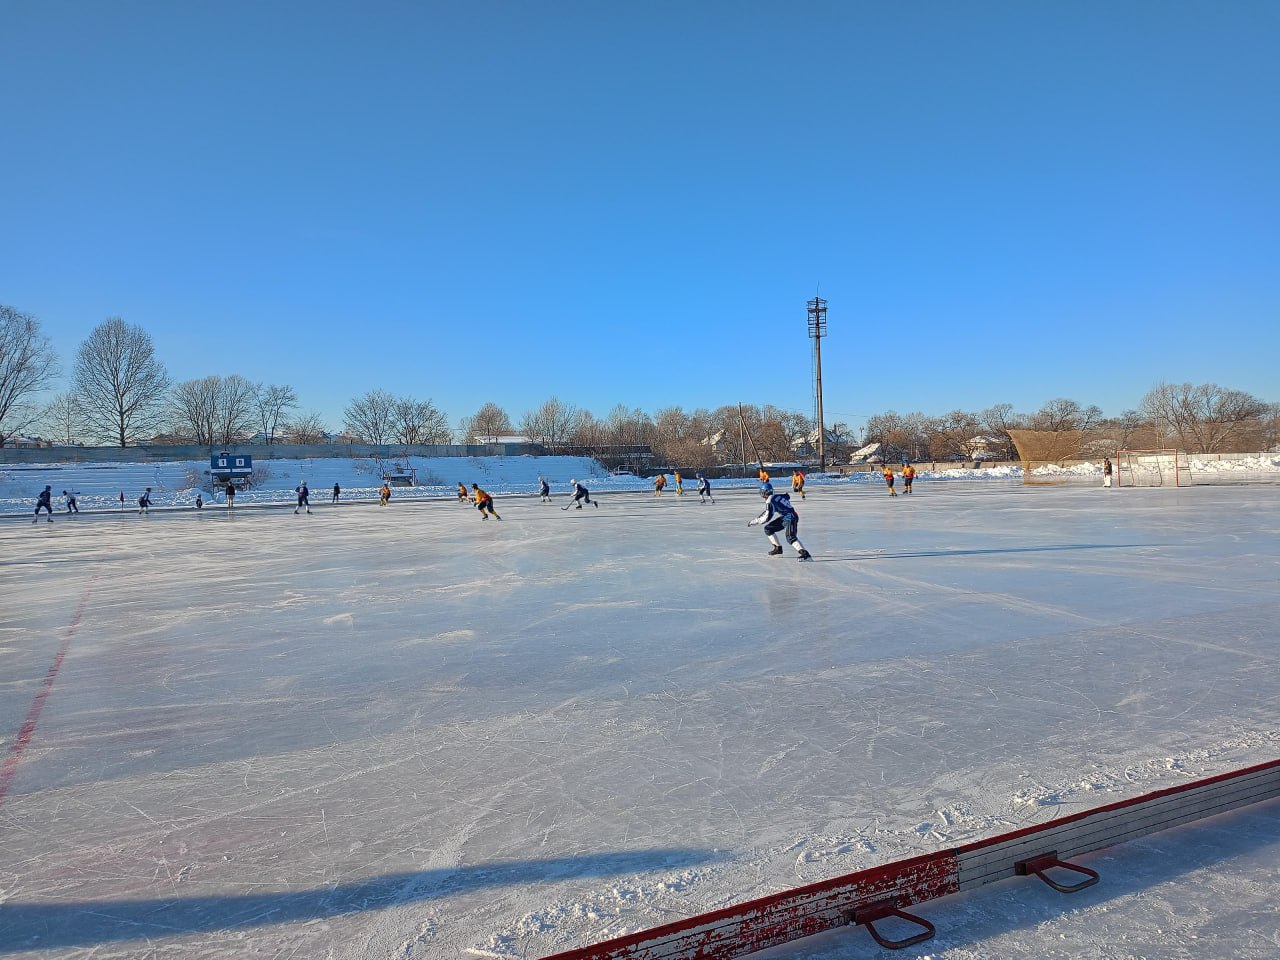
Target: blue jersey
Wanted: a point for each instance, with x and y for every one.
(778, 505)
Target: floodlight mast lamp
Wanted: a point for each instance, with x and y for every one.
(818, 330)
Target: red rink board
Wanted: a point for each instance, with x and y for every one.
(782, 917)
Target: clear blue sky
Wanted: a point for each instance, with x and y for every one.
(631, 202)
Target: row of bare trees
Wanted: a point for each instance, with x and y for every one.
(1199, 418)
(697, 438)
(120, 393)
(380, 417)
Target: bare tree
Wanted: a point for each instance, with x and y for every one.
(486, 425)
(1204, 418)
(997, 421)
(671, 431)
(62, 420)
(1064, 414)
(679, 438)
(372, 417)
(120, 383)
(1270, 439)
(901, 436)
(551, 424)
(193, 408)
(630, 427)
(307, 428)
(1129, 431)
(953, 435)
(418, 421)
(273, 404)
(214, 410)
(27, 365)
(237, 409)
(839, 441)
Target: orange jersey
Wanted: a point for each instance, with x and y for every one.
(480, 496)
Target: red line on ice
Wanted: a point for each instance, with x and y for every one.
(33, 715)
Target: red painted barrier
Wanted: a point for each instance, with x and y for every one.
(869, 895)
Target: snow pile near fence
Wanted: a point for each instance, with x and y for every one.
(1234, 464)
(981, 473)
(1082, 471)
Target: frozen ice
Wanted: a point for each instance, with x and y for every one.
(397, 731)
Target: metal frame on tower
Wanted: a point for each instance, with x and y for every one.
(818, 330)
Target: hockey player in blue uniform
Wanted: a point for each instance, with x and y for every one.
(778, 514)
(704, 490)
(580, 496)
(544, 490)
(44, 501)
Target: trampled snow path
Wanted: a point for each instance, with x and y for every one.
(404, 732)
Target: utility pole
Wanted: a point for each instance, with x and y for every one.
(818, 330)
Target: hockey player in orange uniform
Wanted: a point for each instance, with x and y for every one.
(888, 479)
(659, 482)
(484, 503)
(797, 482)
(908, 474)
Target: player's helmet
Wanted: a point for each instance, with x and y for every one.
(766, 489)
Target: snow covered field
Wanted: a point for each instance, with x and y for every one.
(403, 732)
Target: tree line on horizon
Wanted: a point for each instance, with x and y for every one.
(119, 394)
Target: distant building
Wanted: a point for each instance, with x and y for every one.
(867, 454)
(719, 441)
(167, 440)
(984, 448)
(807, 445)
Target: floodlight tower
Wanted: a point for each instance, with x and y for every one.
(818, 330)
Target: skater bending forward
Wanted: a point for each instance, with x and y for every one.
(484, 503)
(581, 495)
(779, 514)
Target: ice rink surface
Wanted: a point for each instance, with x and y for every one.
(403, 732)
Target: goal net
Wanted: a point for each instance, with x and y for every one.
(1152, 468)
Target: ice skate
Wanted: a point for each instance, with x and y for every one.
(804, 554)
(775, 551)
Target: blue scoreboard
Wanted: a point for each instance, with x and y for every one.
(229, 466)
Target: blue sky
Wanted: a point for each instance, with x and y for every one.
(1002, 202)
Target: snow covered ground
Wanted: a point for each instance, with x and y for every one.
(404, 732)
